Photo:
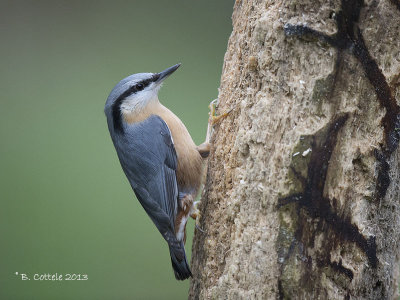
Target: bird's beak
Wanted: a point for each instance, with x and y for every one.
(164, 74)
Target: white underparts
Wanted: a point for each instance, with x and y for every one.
(181, 231)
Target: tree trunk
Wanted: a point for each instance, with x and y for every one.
(302, 193)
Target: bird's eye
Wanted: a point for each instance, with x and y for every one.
(139, 86)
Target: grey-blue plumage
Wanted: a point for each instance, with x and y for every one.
(147, 155)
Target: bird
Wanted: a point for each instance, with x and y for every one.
(159, 158)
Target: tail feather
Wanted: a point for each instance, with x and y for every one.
(179, 261)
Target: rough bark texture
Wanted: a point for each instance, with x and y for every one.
(302, 192)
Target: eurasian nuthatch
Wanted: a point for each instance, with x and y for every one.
(158, 156)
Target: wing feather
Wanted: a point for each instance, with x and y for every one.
(148, 158)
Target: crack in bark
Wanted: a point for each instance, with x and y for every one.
(319, 207)
(341, 269)
(311, 200)
(349, 37)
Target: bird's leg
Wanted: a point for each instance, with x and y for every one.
(194, 210)
(188, 207)
(184, 210)
(185, 202)
(214, 118)
(204, 148)
(195, 214)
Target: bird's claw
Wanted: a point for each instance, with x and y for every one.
(199, 228)
(195, 214)
(214, 118)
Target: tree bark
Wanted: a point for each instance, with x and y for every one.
(302, 193)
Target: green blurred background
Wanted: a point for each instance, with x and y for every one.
(66, 205)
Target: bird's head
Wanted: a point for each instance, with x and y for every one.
(135, 92)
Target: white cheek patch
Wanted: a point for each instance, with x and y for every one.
(139, 100)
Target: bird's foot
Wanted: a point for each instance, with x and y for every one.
(194, 210)
(186, 203)
(195, 214)
(214, 118)
(204, 149)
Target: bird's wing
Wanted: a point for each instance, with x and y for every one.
(149, 160)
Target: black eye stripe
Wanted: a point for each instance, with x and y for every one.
(116, 107)
(138, 87)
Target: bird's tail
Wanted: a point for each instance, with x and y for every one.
(179, 261)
